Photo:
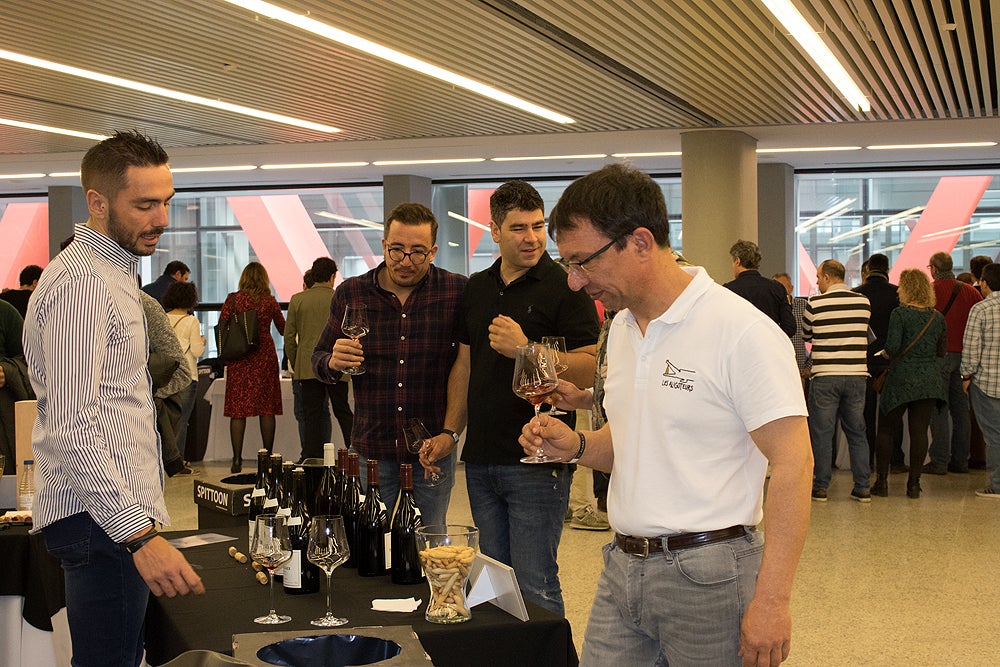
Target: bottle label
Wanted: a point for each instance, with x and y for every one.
(292, 570)
(284, 511)
(361, 500)
(252, 525)
(270, 503)
(294, 521)
(388, 551)
(257, 492)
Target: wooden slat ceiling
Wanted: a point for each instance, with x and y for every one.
(611, 65)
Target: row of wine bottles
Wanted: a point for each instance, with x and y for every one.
(377, 547)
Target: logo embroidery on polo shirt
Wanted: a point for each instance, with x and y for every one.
(678, 378)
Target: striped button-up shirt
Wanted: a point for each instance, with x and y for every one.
(837, 324)
(981, 345)
(95, 441)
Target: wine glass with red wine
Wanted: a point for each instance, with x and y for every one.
(558, 345)
(355, 326)
(534, 379)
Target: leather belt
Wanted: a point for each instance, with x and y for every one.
(643, 546)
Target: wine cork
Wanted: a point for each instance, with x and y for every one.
(240, 557)
(233, 551)
(262, 578)
(447, 568)
(257, 566)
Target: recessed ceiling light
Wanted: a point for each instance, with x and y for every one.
(591, 156)
(195, 170)
(314, 165)
(662, 154)
(966, 144)
(385, 53)
(53, 130)
(396, 163)
(162, 92)
(809, 149)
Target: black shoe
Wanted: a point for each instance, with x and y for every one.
(881, 487)
(957, 469)
(977, 465)
(819, 495)
(913, 489)
(897, 468)
(861, 496)
(935, 469)
(236, 467)
(187, 470)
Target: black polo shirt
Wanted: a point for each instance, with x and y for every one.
(544, 305)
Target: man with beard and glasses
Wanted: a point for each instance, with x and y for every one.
(98, 470)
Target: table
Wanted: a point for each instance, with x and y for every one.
(286, 435)
(234, 598)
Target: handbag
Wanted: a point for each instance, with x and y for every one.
(161, 369)
(878, 382)
(238, 336)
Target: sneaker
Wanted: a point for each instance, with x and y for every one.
(862, 496)
(989, 492)
(819, 495)
(935, 469)
(587, 518)
(186, 470)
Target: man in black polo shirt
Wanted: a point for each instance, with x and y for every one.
(518, 508)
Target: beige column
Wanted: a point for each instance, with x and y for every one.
(719, 191)
(776, 218)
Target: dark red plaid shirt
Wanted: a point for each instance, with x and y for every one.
(409, 351)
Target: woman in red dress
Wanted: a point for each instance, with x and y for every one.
(253, 385)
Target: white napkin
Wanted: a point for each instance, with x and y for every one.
(407, 605)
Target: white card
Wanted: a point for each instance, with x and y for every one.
(492, 581)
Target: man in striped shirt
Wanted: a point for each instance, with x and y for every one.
(836, 321)
(98, 470)
(981, 371)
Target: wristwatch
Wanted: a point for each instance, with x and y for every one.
(454, 436)
(139, 542)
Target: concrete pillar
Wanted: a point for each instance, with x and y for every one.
(67, 206)
(719, 190)
(402, 189)
(776, 218)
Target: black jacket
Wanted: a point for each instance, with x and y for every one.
(769, 296)
(884, 298)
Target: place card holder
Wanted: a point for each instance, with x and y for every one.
(492, 581)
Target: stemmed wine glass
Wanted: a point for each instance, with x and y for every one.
(534, 379)
(327, 549)
(558, 345)
(355, 326)
(271, 547)
(416, 434)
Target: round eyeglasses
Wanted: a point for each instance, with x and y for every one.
(416, 256)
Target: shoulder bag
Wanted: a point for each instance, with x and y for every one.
(238, 336)
(878, 382)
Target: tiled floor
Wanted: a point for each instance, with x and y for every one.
(893, 582)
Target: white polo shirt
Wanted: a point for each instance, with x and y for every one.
(681, 402)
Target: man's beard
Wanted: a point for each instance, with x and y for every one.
(120, 235)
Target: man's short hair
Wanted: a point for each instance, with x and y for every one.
(29, 274)
(878, 262)
(180, 295)
(411, 214)
(831, 268)
(323, 269)
(942, 262)
(175, 266)
(991, 276)
(105, 165)
(781, 274)
(514, 195)
(977, 264)
(307, 278)
(617, 200)
(747, 252)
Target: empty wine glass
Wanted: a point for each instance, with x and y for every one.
(417, 435)
(271, 547)
(558, 345)
(327, 549)
(355, 326)
(534, 379)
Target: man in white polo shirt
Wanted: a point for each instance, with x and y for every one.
(702, 392)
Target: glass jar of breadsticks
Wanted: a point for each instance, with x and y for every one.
(446, 555)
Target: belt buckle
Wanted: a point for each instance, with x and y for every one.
(645, 547)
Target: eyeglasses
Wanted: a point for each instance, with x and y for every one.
(416, 256)
(581, 265)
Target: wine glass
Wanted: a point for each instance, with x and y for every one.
(558, 345)
(327, 549)
(416, 435)
(355, 326)
(534, 379)
(271, 547)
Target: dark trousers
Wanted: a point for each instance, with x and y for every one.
(891, 428)
(313, 405)
(871, 425)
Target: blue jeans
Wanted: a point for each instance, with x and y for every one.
(432, 501)
(988, 415)
(832, 397)
(519, 510)
(186, 397)
(105, 596)
(673, 607)
(952, 446)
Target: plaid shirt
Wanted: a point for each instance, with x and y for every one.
(981, 345)
(409, 351)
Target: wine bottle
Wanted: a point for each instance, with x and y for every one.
(405, 567)
(326, 502)
(343, 471)
(259, 493)
(285, 501)
(273, 491)
(372, 528)
(300, 576)
(350, 509)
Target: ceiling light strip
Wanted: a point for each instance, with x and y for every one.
(385, 53)
(163, 92)
(818, 51)
(637, 155)
(53, 130)
(967, 144)
(6, 177)
(810, 149)
(591, 156)
(468, 221)
(396, 163)
(314, 165)
(196, 170)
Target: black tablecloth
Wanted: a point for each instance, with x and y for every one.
(29, 571)
(234, 598)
